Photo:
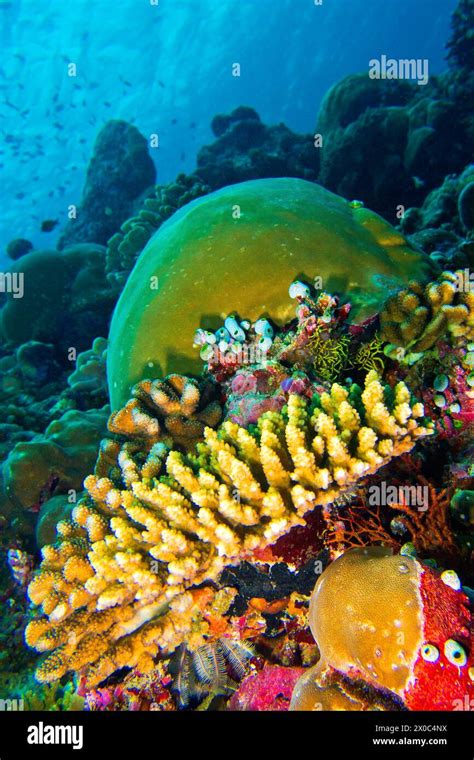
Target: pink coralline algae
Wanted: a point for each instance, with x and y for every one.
(269, 689)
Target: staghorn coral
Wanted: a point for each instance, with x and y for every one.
(417, 317)
(119, 586)
(176, 409)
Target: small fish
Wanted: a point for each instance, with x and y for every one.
(160, 83)
(192, 125)
(49, 224)
(11, 105)
(418, 183)
(174, 121)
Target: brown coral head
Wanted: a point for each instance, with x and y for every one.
(416, 318)
(365, 615)
(177, 408)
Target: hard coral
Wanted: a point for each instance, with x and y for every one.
(416, 318)
(391, 624)
(120, 585)
(177, 408)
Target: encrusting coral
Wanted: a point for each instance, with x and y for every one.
(176, 409)
(120, 585)
(415, 318)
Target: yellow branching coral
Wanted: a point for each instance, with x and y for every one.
(417, 317)
(120, 585)
(177, 408)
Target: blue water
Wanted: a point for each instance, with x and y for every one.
(167, 66)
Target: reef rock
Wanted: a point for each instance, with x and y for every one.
(119, 171)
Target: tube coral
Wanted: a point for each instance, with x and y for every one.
(120, 584)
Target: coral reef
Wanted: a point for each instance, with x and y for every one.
(119, 171)
(104, 605)
(18, 247)
(460, 43)
(242, 234)
(247, 149)
(55, 461)
(89, 380)
(124, 246)
(370, 610)
(390, 142)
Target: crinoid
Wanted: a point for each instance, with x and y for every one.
(211, 670)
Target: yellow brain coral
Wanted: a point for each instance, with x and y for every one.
(120, 584)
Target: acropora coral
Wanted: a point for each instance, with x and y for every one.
(225, 249)
(392, 633)
(121, 585)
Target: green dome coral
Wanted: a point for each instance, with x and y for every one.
(239, 249)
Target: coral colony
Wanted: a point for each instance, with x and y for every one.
(257, 492)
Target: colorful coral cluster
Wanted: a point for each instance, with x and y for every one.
(120, 585)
